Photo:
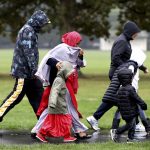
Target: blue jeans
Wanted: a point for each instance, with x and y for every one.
(104, 107)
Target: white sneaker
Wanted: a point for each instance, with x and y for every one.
(93, 122)
(139, 128)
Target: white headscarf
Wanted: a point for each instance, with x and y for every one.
(61, 52)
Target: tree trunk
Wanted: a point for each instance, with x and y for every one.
(148, 41)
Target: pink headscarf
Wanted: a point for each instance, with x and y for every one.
(71, 38)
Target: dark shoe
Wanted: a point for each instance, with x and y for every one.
(86, 136)
(33, 135)
(1, 119)
(113, 135)
(132, 140)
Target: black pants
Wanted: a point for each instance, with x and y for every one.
(32, 88)
(117, 117)
(130, 127)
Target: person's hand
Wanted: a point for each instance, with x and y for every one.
(81, 52)
(146, 71)
(59, 65)
(144, 106)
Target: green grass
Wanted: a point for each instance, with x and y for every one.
(93, 146)
(97, 61)
(89, 97)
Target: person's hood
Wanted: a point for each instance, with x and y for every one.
(125, 76)
(138, 56)
(71, 38)
(66, 70)
(38, 20)
(129, 29)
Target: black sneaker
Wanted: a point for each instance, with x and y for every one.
(113, 135)
(1, 119)
(33, 135)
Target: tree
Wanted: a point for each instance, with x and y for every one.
(85, 16)
(137, 11)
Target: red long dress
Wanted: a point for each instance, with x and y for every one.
(58, 125)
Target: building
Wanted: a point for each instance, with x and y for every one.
(140, 43)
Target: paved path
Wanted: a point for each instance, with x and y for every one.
(23, 137)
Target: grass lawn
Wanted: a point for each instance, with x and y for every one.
(89, 96)
(97, 62)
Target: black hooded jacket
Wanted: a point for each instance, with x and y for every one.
(127, 96)
(26, 55)
(110, 94)
(121, 49)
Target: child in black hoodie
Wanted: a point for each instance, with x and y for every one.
(127, 105)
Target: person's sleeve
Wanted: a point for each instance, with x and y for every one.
(56, 88)
(29, 47)
(80, 57)
(137, 99)
(52, 62)
(80, 61)
(118, 51)
(143, 68)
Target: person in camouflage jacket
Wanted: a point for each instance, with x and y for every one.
(25, 64)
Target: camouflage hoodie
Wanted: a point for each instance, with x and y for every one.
(26, 55)
(57, 102)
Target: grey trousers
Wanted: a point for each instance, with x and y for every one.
(78, 126)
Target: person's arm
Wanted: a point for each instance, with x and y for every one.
(30, 50)
(52, 62)
(81, 61)
(143, 68)
(137, 99)
(117, 53)
(56, 88)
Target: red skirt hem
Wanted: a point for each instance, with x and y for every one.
(57, 125)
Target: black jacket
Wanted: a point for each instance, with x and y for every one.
(121, 49)
(110, 94)
(26, 55)
(127, 96)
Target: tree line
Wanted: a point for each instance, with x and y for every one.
(89, 17)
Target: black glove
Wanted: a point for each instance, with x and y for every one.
(144, 106)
